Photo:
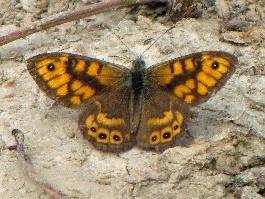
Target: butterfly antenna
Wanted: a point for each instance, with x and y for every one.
(118, 37)
(159, 37)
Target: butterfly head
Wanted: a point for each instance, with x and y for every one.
(138, 64)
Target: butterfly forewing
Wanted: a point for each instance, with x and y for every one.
(194, 78)
(74, 79)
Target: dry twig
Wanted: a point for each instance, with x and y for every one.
(68, 16)
(28, 169)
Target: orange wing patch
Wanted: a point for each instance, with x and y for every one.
(178, 68)
(75, 100)
(106, 75)
(72, 78)
(206, 79)
(80, 66)
(164, 75)
(181, 90)
(76, 84)
(190, 83)
(189, 65)
(171, 123)
(85, 91)
(103, 119)
(194, 77)
(213, 69)
(168, 117)
(63, 90)
(93, 69)
(54, 72)
(110, 133)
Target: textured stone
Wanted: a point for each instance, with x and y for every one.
(34, 6)
(224, 159)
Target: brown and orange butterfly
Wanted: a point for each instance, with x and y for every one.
(123, 107)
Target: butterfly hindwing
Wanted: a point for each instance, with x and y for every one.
(161, 122)
(73, 79)
(106, 122)
(194, 78)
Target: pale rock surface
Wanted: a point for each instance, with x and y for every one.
(222, 157)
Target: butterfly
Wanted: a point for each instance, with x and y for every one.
(141, 106)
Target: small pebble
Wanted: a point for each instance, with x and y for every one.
(236, 25)
(70, 134)
(239, 38)
(34, 6)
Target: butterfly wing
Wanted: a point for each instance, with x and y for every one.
(194, 78)
(73, 79)
(162, 120)
(172, 87)
(106, 122)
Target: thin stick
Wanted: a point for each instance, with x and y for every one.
(68, 16)
(28, 169)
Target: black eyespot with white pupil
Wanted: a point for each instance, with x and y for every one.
(154, 138)
(166, 135)
(175, 127)
(93, 129)
(116, 138)
(215, 65)
(51, 67)
(102, 136)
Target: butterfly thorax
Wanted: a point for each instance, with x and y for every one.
(138, 74)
